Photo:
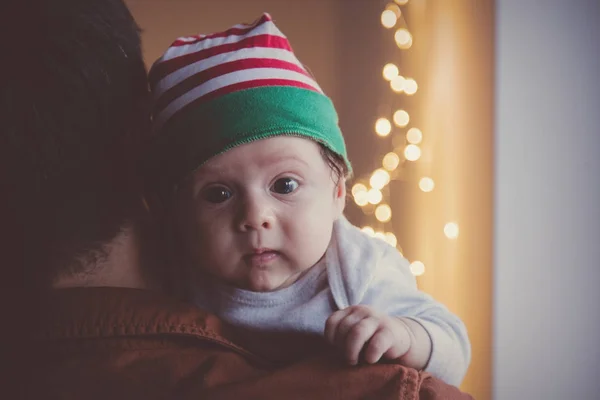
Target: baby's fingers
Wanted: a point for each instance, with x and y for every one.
(380, 343)
(332, 323)
(358, 336)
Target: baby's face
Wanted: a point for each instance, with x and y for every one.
(261, 214)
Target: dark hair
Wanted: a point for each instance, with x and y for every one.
(336, 163)
(73, 116)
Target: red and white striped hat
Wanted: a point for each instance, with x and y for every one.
(214, 92)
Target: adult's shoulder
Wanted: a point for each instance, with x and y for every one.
(325, 377)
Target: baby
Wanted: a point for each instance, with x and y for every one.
(250, 152)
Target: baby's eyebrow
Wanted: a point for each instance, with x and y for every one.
(286, 158)
(216, 171)
(207, 174)
(207, 171)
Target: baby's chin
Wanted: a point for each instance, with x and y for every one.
(265, 281)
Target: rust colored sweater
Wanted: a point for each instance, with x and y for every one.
(115, 343)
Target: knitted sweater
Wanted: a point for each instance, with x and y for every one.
(356, 269)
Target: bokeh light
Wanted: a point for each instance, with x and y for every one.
(374, 196)
(426, 184)
(388, 18)
(412, 152)
(383, 127)
(410, 86)
(451, 230)
(379, 179)
(390, 71)
(401, 118)
(359, 187)
(397, 84)
(383, 213)
(391, 239)
(414, 136)
(417, 268)
(391, 161)
(403, 38)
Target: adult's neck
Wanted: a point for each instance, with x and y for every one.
(122, 266)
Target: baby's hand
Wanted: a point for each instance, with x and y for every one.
(359, 329)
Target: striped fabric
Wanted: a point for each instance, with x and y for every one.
(198, 68)
(214, 92)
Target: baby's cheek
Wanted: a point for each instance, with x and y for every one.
(313, 241)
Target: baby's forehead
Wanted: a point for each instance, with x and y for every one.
(271, 162)
(272, 155)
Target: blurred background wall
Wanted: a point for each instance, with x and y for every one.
(547, 200)
(452, 59)
(507, 105)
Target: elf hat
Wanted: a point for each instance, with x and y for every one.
(214, 92)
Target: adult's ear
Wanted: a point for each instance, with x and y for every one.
(154, 204)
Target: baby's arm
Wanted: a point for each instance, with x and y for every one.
(421, 332)
(363, 332)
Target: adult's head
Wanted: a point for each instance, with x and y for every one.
(73, 116)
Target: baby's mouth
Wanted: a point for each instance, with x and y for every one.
(261, 257)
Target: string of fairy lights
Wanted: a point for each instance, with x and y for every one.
(371, 193)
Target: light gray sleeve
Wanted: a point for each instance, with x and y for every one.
(392, 288)
(366, 270)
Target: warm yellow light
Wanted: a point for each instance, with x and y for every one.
(391, 161)
(359, 187)
(397, 84)
(380, 235)
(368, 230)
(451, 230)
(383, 127)
(374, 196)
(410, 86)
(390, 71)
(417, 268)
(391, 239)
(395, 9)
(414, 136)
(388, 19)
(383, 213)
(412, 152)
(401, 2)
(379, 179)
(403, 38)
(401, 118)
(407, 45)
(426, 184)
(361, 198)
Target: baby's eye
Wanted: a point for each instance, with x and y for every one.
(284, 186)
(216, 194)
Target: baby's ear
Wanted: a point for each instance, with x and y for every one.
(340, 197)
